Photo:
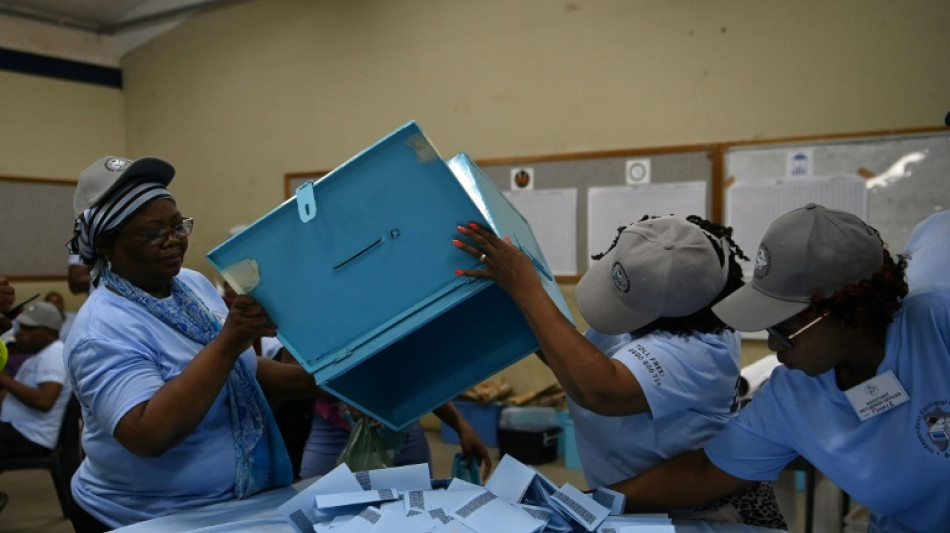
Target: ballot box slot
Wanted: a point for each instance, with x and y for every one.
(359, 253)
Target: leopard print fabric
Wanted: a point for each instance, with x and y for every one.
(755, 506)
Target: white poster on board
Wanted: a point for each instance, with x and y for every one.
(552, 215)
(609, 208)
(800, 163)
(752, 206)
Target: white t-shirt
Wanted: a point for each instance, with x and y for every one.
(34, 424)
(690, 384)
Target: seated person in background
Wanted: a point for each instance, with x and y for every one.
(928, 249)
(330, 430)
(56, 299)
(15, 357)
(34, 401)
(174, 401)
(657, 373)
(7, 300)
(863, 391)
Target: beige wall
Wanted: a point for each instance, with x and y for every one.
(52, 129)
(241, 95)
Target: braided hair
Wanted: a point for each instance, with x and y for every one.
(702, 321)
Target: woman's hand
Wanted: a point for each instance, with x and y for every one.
(247, 321)
(473, 449)
(504, 262)
(7, 295)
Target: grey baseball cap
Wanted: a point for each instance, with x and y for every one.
(109, 172)
(661, 267)
(41, 315)
(810, 249)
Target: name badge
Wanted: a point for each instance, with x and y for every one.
(876, 395)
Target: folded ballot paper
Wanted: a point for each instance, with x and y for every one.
(357, 271)
(517, 499)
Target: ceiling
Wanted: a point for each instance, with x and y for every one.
(99, 32)
(107, 17)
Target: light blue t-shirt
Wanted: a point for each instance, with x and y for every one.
(690, 384)
(929, 250)
(117, 356)
(39, 426)
(896, 463)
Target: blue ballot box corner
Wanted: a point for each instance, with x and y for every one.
(357, 271)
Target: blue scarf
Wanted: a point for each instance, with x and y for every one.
(262, 460)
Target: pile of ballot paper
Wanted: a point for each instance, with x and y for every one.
(517, 499)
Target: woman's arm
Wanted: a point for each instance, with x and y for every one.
(163, 421)
(688, 480)
(472, 446)
(286, 379)
(43, 397)
(594, 381)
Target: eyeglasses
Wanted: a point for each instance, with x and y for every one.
(786, 340)
(158, 236)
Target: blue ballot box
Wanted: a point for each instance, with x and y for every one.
(357, 271)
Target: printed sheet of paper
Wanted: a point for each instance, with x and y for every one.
(609, 208)
(487, 513)
(552, 215)
(343, 499)
(461, 484)
(610, 499)
(300, 510)
(752, 206)
(582, 508)
(453, 527)
(409, 477)
(427, 500)
(637, 524)
(510, 479)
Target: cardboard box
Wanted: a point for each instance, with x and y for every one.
(357, 271)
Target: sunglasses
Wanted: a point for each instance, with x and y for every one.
(786, 339)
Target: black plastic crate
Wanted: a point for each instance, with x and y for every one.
(530, 445)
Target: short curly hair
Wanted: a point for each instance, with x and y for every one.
(869, 304)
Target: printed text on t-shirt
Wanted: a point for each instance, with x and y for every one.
(650, 363)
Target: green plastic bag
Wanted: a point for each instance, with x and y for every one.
(364, 450)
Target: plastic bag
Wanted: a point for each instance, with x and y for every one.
(364, 450)
(462, 470)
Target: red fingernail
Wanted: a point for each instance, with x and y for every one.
(457, 243)
(458, 272)
(473, 225)
(462, 230)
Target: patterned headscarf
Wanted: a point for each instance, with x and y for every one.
(107, 215)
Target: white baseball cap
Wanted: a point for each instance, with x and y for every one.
(106, 174)
(660, 267)
(41, 315)
(810, 249)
